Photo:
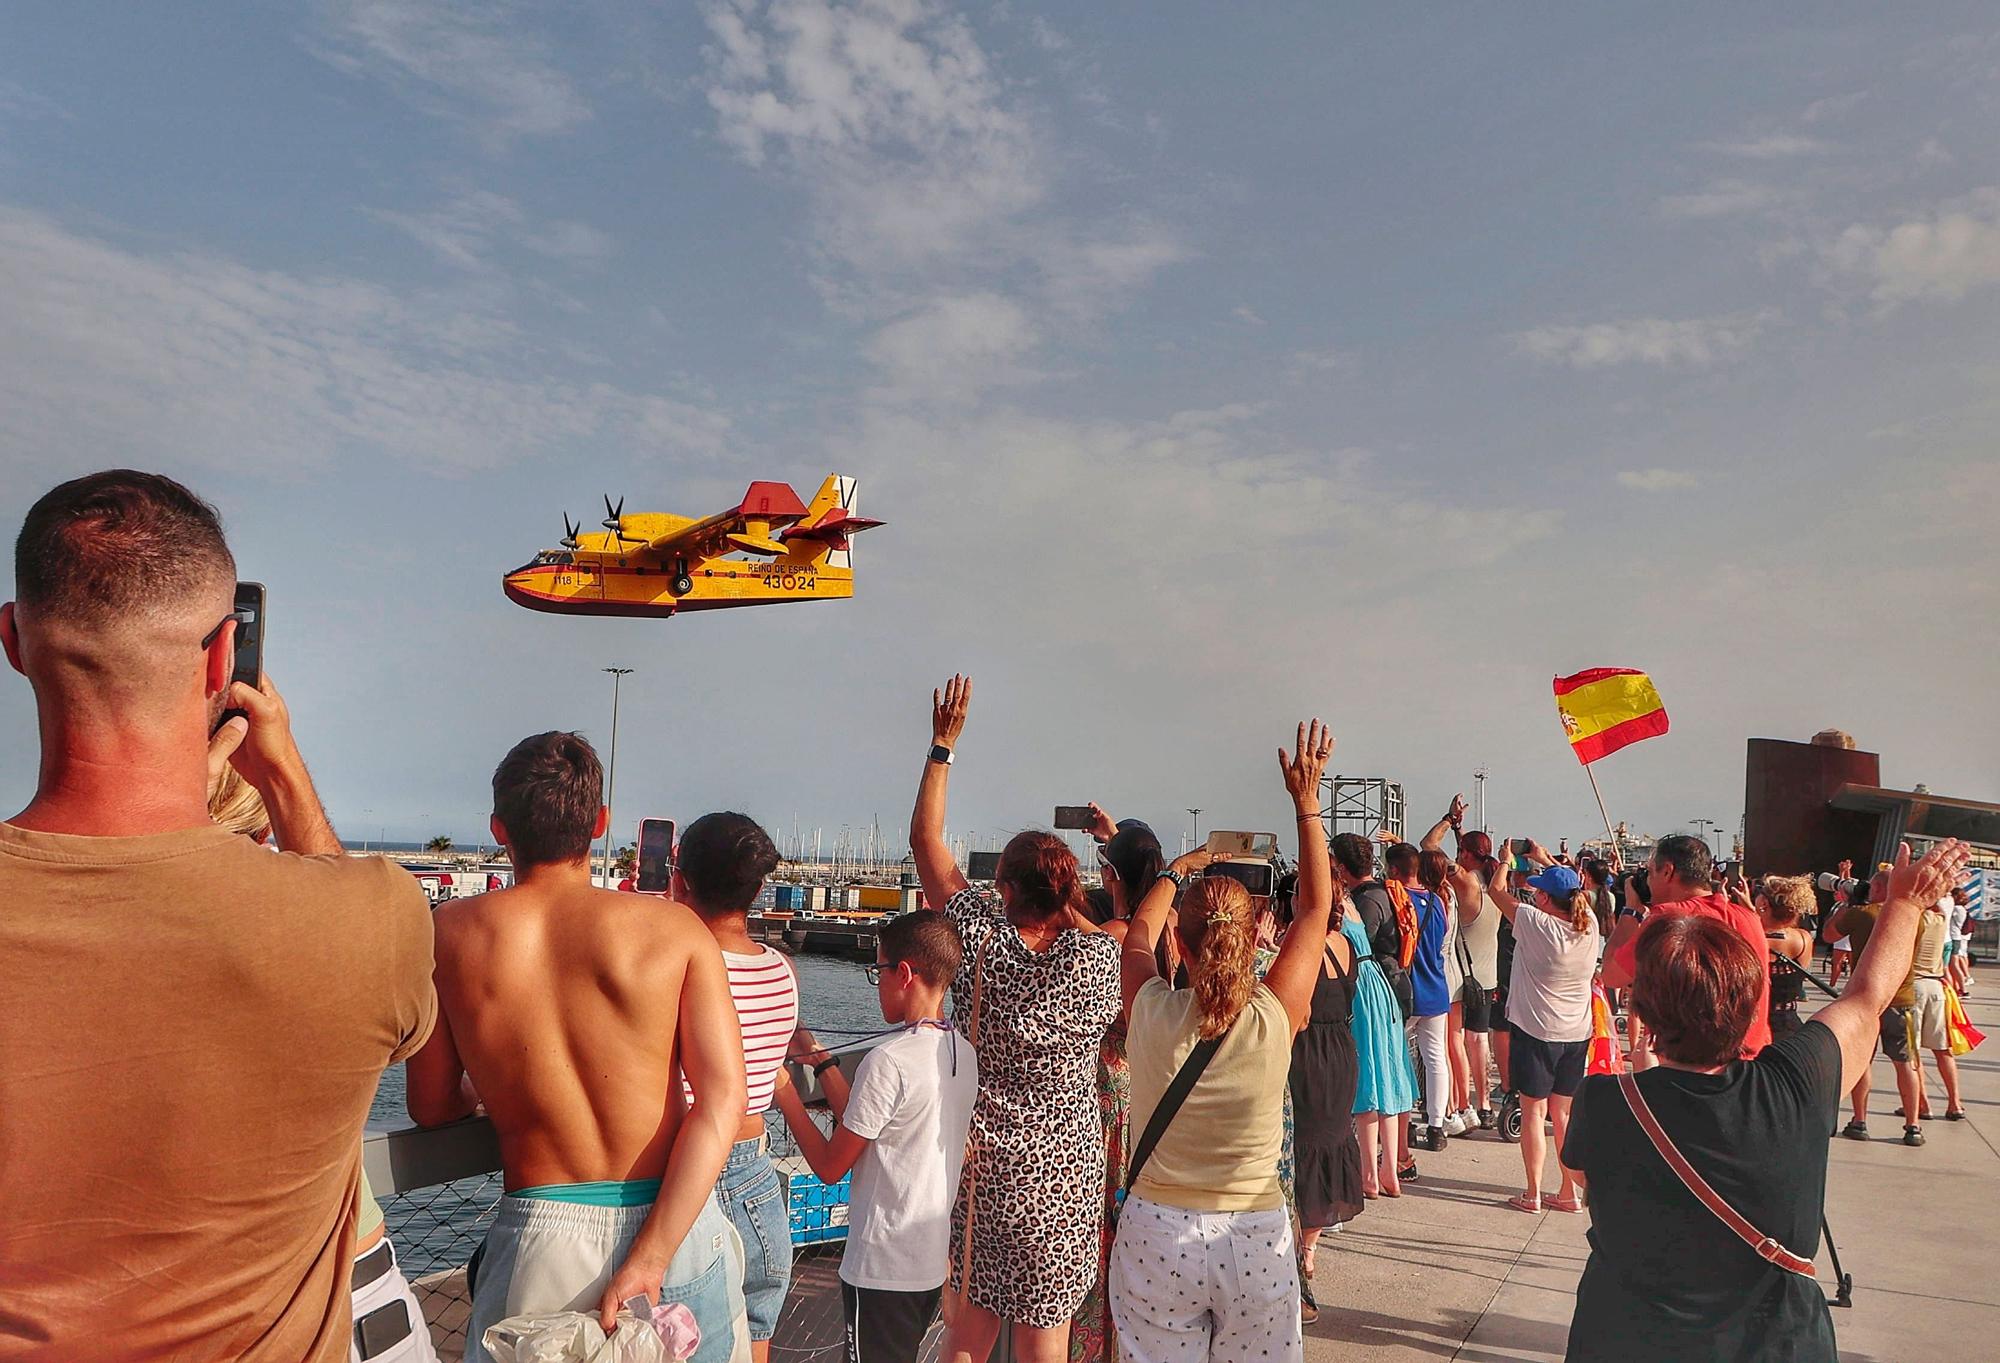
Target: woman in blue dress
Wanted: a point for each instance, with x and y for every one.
(1386, 1088)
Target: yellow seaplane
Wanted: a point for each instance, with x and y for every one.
(769, 547)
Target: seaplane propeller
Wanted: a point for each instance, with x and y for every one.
(569, 533)
(614, 521)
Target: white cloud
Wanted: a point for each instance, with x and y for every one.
(953, 347)
(469, 54)
(1723, 198)
(924, 175)
(1247, 315)
(1942, 255)
(464, 231)
(1657, 480)
(1831, 107)
(1306, 364)
(1933, 153)
(143, 358)
(1770, 147)
(1694, 341)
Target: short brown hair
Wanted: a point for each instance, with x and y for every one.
(546, 793)
(723, 858)
(117, 542)
(1696, 988)
(926, 941)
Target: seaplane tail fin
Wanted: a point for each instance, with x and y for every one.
(826, 530)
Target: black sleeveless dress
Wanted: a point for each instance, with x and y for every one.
(1325, 1074)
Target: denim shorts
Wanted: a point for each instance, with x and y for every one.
(547, 1256)
(753, 1196)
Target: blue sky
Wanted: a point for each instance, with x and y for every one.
(1209, 368)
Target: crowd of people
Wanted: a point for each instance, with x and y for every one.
(1115, 1130)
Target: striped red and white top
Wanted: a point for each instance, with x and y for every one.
(766, 994)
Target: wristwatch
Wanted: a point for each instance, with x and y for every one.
(827, 1064)
(940, 753)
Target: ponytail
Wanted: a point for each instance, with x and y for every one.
(1577, 904)
(1216, 927)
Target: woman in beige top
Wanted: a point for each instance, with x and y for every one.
(1203, 1263)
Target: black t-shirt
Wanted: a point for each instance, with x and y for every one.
(1666, 1279)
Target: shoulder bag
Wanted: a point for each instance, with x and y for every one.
(1763, 1246)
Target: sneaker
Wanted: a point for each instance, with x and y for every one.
(1913, 1135)
(1308, 1312)
(1434, 1138)
(1454, 1125)
(1856, 1130)
(1485, 1119)
(1468, 1119)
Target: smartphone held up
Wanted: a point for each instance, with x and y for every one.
(249, 616)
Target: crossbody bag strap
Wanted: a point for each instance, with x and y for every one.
(1170, 1103)
(1763, 1246)
(955, 1299)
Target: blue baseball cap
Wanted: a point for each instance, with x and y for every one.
(1555, 880)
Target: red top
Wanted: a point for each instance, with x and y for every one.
(1750, 928)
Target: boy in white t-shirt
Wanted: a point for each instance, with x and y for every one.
(902, 1131)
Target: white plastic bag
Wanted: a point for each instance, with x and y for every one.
(574, 1337)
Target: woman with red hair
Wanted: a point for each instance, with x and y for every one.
(1674, 1155)
(1037, 992)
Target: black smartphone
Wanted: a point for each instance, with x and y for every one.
(249, 613)
(1074, 816)
(1258, 877)
(656, 856)
(982, 865)
(1520, 846)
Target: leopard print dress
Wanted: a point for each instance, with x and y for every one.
(1035, 1156)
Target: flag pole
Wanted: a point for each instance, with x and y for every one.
(1617, 852)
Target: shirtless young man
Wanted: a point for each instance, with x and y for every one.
(564, 1009)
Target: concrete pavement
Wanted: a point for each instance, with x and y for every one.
(1450, 1271)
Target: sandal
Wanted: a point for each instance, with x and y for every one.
(1923, 1113)
(1954, 1114)
(1521, 1202)
(1572, 1205)
(1407, 1175)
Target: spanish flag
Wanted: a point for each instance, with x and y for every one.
(1607, 708)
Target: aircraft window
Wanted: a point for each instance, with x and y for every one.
(553, 556)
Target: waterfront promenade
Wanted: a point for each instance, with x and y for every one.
(1450, 1272)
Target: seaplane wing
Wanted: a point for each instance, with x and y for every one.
(748, 526)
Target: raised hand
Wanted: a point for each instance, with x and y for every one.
(1102, 827)
(1931, 879)
(1303, 767)
(1455, 816)
(948, 709)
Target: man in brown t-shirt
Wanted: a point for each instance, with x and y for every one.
(194, 1027)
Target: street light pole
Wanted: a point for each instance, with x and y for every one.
(618, 675)
(1196, 840)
